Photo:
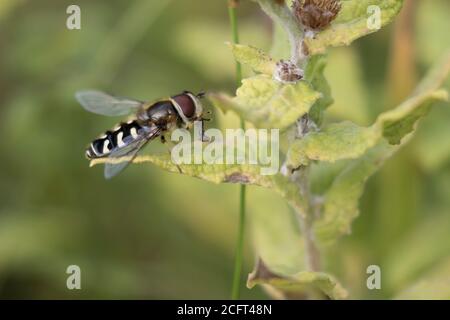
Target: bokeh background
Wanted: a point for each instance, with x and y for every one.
(150, 234)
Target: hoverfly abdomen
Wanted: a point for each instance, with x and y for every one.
(121, 135)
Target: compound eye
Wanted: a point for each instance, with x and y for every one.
(186, 104)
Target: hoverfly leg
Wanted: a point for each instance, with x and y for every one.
(165, 142)
(205, 138)
(178, 167)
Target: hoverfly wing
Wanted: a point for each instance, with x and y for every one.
(104, 104)
(129, 151)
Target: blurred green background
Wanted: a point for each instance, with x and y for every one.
(151, 234)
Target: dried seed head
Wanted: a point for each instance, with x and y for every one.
(287, 72)
(316, 14)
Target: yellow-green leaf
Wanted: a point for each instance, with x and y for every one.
(389, 132)
(274, 226)
(297, 285)
(255, 58)
(282, 272)
(222, 173)
(352, 23)
(348, 141)
(397, 123)
(344, 140)
(341, 200)
(267, 103)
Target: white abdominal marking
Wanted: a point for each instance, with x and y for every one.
(133, 133)
(120, 142)
(106, 146)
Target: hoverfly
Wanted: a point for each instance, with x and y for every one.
(151, 120)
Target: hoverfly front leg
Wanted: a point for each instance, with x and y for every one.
(203, 136)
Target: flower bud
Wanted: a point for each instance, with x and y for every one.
(287, 72)
(316, 14)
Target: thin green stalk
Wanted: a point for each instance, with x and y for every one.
(235, 293)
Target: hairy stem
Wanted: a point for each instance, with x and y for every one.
(308, 213)
(306, 220)
(235, 293)
(282, 14)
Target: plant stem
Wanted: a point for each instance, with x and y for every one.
(307, 214)
(283, 15)
(232, 6)
(312, 254)
(235, 293)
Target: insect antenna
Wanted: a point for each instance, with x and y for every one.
(201, 94)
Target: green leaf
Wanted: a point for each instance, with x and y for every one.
(351, 23)
(279, 243)
(274, 226)
(222, 173)
(254, 58)
(314, 74)
(348, 141)
(397, 123)
(344, 140)
(433, 286)
(340, 206)
(267, 103)
(298, 284)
